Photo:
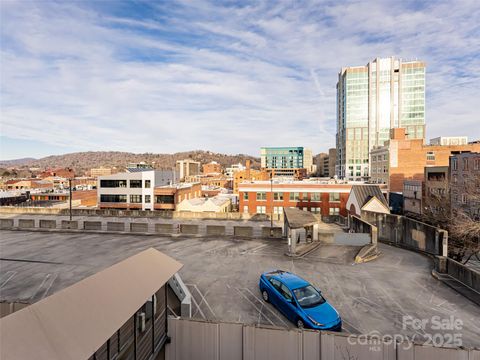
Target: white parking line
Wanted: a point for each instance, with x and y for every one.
(255, 306)
(266, 307)
(12, 274)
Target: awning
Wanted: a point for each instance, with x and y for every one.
(75, 322)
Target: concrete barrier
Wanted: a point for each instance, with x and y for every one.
(115, 226)
(72, 225)
(188, 229)
(277, 232)
(48, 224)
(164, 228)
(243, 231)
(26, 223)
(215, 230)
(92, 225)
(466, 275)
(138, 227)
(6, 223)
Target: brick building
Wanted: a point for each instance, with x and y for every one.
(169, 196)
(464, 179)
(212, 168)
(248, 175)
(64, 173)
(405, 159)
(320, 197)
(212, 179)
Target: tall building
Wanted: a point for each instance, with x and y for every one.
(187, 167)
(372, 99)
(286, 161)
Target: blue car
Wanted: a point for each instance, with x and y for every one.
(299, 301)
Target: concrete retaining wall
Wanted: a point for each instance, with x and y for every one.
(216, 230)
(277, 232)
(464, 274)
(192, 339)
(409, 233)
(6, 223)
(354, 239)
(92, 225)
(48, 224)
(243, 231)
(138, 227)
(164, 228)
(71, 225)
(115, 226)
(188, 229)
(358, 225)
(26, 223)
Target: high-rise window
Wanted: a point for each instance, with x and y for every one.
(135, 183)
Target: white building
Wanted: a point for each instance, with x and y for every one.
(216, 204)
(449, 140)
(130, 190)
(187, 167)
(230, 171)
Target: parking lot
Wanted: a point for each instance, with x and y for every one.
(222, 275)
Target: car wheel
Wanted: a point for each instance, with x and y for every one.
(265, 295)
(300, 324)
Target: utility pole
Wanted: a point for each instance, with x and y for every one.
(271, 209)
(70, 197)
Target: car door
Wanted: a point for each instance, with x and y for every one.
(275, 293)
(288, 305)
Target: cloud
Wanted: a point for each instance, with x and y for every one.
(174, 76)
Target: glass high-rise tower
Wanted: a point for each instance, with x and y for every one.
(386, 93)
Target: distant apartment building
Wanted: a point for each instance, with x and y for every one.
(131, 190)
(101, 171)
(386, 93)
(402, 159)
(449, 140)
(326, 163)
(464, 179)
(187, 167)
(320, 197)
(321, 160)
(248, 175)
(437, 190)
(168, 197)
(231, 170)
(212, 179)
(212, 168)
(287, 161)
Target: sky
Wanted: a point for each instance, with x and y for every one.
(230, 77)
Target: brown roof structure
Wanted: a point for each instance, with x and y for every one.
(75, 322)
(364, 193)
(297, 218)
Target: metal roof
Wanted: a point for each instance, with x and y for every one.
(364, 193)
(297, 218)
(75, 322)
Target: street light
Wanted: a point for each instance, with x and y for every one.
(70, 197)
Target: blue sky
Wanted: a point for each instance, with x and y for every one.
(146, 76)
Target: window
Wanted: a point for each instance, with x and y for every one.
(276, 284)
(430, 156)
(334, 196)
(113, 183)
(277, 209)
(315, 197)
(316, 210)
(147, 184)
(135, 199)
(261, 196)
(148, 199)
(245, 196)
(295, 196)
(308, 296)
(113, 198)
(465, 163)
(245, 209)
(165, 199)
(261, 209)
(454, 164)
(135, 183)
(277, 196)
(334, 211)
(285, 292)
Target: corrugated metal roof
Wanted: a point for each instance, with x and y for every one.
(77, 321)
(364, 193)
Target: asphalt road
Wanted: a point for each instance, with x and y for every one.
(222, 275)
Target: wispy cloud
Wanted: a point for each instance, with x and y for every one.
(173, 76)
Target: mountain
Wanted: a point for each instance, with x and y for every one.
(82, 161)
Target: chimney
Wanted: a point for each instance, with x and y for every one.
(247, 165)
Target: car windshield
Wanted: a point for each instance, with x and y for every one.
(308, 296)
